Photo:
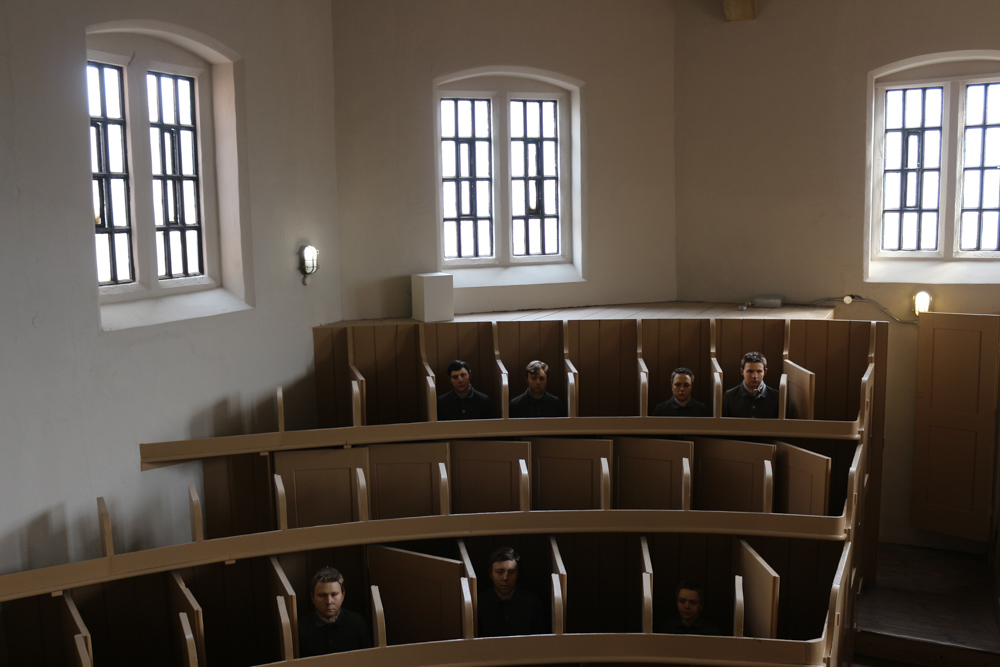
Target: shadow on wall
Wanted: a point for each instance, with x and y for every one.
(43, 543)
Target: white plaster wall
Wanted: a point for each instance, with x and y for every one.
(387, 54)
(75, 402)
(771, 171)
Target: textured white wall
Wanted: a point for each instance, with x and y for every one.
(771, 171)
(75, 402)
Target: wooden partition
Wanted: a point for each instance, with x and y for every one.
(650, 473)
(487, 476)
(321, 486)
(472, 342)
(281, 589)
(183, 603)
(670, 344)
(761, 584)
(406, 480)
(421, 595)
(570, 473)
(605, 353)
(521, 342)
(731, 475)
(802, 481)
(801, 387)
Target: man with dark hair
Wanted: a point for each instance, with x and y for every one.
(463, 401)
(681, 404)
(535, 401)
(688, 619)
(330, 628)
(751, 398)
(506, 610)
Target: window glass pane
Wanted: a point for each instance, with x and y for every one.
(152, 98)
(95, 149)
(993, 104)
(891, 191)
(975, 101)
(970, 230)
(468, 238)
(191, 203)
(449, 201)
(932, 149)
(894, 109)
(893, 150)
(519, 239)
(176, 254)
(168, 154)
(483, 159)
(534, 236)
(450, 240)
(184, 101)
(516, 118)
(517, 158)
(911, 189)
(483, 199)
(485, 239)
(122, 263)
(94, 92)
(914, 108)
(973, 147)
(991, 188)
(97, 202)
(447, 118)
(930, 190)
(161, 258)
(464, 118)
(167, 95)
(549, 158)
(187, 153)
(517, 198)
(168, 188)
(549, 119)
(448, 159)
(112, 93)
(463, 160)
(933, 107)
(890, 231)
(990, 231)
(533, 119)
(551, 236)
(158, 201)
(928, 231)
(532, 196)
(465, 205)
(991, 156)
(532, 159)
(913, 151)
(119, 208)
(193, 252)
(154, 151)
(103, 258)
(550, 197)
(116, 149)
(910, 220)
(482, 109)
(970, 188)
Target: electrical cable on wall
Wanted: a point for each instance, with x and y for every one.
(846, 299)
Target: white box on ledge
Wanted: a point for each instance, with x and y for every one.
(433, 297)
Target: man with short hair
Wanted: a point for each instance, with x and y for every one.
(535, 401)
(751, 399)
(463, 401)
(506, 610)
(680, 403)
(688, 619)
(330, 628)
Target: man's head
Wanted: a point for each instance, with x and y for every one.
(536, 374)
(753, 368)
(503, 571)
(690, 600)
(327, 592)
(681, 383)
(460, 375)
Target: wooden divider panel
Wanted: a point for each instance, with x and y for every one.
(319, 484)
(281, 588)
(801, 402)
(670, 344)
(72, 625)
(736, 337)
(182, 601)
(567, 473)
(649, 472)
(604, 353)
(520, 343)
(729, 474)
(739, 607)
(802, 481)
(471, 342)
(421, 595)
(486, 475)
(837, 352)
(403, 479)
(333, 378)
(388, 356)
(760, 583)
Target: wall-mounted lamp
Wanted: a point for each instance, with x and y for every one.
(921, 302)
(308, 261)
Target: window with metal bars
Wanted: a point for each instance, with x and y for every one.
(109, 164)
(467, 178)
(980, 205)
(534, 172)
(176, 185)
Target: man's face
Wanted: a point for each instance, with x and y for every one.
(504, 576)
(688, 604)
(536, 383)
(327, 598)
(681, 388)
(753, 374)
(460, 380)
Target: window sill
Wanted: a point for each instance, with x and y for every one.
(526, 274)
(934, 271)
(174, 308)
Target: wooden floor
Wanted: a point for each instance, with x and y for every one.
(929, 607)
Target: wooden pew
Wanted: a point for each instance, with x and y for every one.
(650, 473)
(472, 342)
(521, 342)
(604, 354)
(732, 475)
(322, 486)
(487, 476)
(570, 473)
(735, 337)
(409, 480)
(669, 344)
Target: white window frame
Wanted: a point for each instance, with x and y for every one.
(948, 264)
(501, 85)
